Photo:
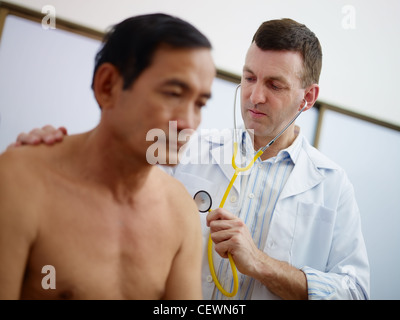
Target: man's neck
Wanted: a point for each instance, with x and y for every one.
(101, 160)
(283, 142)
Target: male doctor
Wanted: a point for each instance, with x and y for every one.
(291, 224)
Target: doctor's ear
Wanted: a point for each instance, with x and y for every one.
(106, 83)
(311, 96)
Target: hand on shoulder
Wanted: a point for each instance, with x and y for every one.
(47, 135)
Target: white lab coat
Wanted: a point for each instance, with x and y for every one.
(315, 224)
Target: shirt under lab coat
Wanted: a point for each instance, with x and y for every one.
(315, 226)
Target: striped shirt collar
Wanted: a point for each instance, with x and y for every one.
(292, 152)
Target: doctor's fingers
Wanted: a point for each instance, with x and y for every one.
(50, 135)
(234, 234)
(227, 241)
(219, 214)
(47, 134)
(27, 138)
(222, 249)
(219, 225)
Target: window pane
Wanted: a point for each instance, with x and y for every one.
(370, 154)
(307, 121)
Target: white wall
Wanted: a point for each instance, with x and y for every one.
(41, 82)
(360, 66)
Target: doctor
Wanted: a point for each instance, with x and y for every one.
(291, 224)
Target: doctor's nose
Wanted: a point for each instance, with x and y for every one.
(258, 95)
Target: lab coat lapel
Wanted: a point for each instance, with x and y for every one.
(305, 175)
(222, 155)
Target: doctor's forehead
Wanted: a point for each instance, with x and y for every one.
(274, 64)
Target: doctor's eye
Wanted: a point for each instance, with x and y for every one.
(250, 79)
(275, 86)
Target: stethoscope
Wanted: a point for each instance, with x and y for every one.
(204, 201)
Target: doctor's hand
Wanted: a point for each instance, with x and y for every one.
(230, 234)
(47, 134)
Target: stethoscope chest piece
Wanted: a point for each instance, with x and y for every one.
(203, 200)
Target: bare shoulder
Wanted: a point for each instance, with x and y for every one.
(19, 165)
(13, 164)
(18, 187)
(175, 189)
(20, 204)
(184, 280)
(18, 174)
(22, 177)
(182, 207)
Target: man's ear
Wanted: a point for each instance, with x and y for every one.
(311, 95)
(106, 84)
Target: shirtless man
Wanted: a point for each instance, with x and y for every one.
(112, 225)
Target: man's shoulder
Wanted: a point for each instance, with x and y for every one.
(19, 184)
(22, 169)
(22, 158)
(168, 183)
(13, 161)
(176, 192)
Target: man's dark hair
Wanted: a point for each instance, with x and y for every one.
(131, 44)
(287, 34)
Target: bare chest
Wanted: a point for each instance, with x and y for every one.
(101, 250)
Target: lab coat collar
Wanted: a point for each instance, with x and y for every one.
(307, 173)
(221, 146)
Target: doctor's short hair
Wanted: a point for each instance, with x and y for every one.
(130, 45)
(287, 34)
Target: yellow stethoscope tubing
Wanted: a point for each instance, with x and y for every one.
(210, 243)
